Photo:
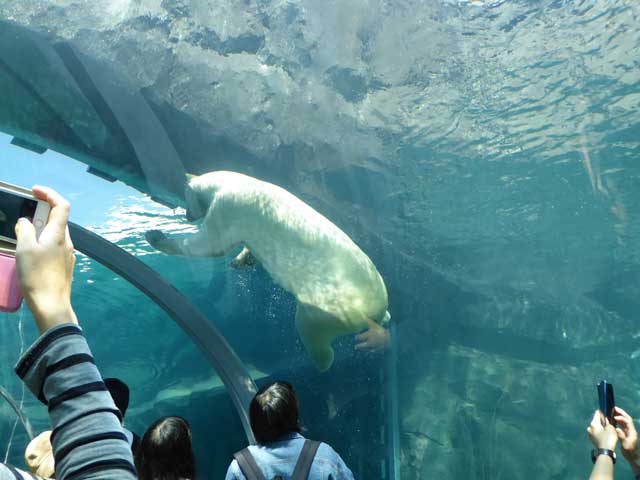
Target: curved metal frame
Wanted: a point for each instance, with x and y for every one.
(226, 363)
(18, 411)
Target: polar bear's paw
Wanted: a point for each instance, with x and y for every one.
(244, 259)
(160, 241)
(155, 238)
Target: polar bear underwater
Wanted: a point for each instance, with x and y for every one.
(337, 287)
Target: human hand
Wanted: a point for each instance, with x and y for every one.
(628, 438)
(375, 339)
(601, 432)
(45, 264)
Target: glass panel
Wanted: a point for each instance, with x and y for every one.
(132, 339)
(483, 154)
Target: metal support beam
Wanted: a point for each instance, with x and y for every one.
(393, 417)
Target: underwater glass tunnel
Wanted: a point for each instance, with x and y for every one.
(483, 154)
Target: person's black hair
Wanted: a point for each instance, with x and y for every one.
(274, 412)
(165, 451)
(119, 392)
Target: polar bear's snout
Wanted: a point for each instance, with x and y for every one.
(193, 216)
(195, 209)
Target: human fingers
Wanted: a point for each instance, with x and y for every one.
(627, 422)
(599, 420)
(362, 345)
(624, 421)
(622, 412)
(25, 234)
(67, 239)
(59, 214)
(596, 421)
(630, 423)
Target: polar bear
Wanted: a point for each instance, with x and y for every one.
(337, 287)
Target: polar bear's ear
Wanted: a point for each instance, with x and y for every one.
(189, 177)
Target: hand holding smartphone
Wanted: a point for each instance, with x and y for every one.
(606, 400)
(15, 203)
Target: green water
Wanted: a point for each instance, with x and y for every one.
(483, 154)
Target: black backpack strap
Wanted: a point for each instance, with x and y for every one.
(303, 465)
(248, 465)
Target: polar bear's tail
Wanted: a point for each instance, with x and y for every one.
(386, 318)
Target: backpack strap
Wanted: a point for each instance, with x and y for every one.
(303, 465)
(248, 465)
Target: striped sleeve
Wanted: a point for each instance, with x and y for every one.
(88, 440)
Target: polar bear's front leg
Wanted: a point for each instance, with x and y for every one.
(159, 241)
(198, 244)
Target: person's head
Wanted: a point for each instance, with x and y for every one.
(165, 451)
(119, 392)
(274, 412)
(39, 456)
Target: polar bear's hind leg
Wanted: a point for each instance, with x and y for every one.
(317, 329)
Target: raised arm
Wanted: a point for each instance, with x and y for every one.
(88, 440)
(604, 438)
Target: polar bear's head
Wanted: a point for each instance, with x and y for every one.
(197, 204)
(201, 190)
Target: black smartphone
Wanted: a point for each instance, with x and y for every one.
(606, 400)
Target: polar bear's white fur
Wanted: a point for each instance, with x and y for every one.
(337, 287)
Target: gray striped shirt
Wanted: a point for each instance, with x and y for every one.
(88, 439)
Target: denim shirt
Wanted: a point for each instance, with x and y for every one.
(280, 457)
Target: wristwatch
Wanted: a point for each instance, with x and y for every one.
(596, 452)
